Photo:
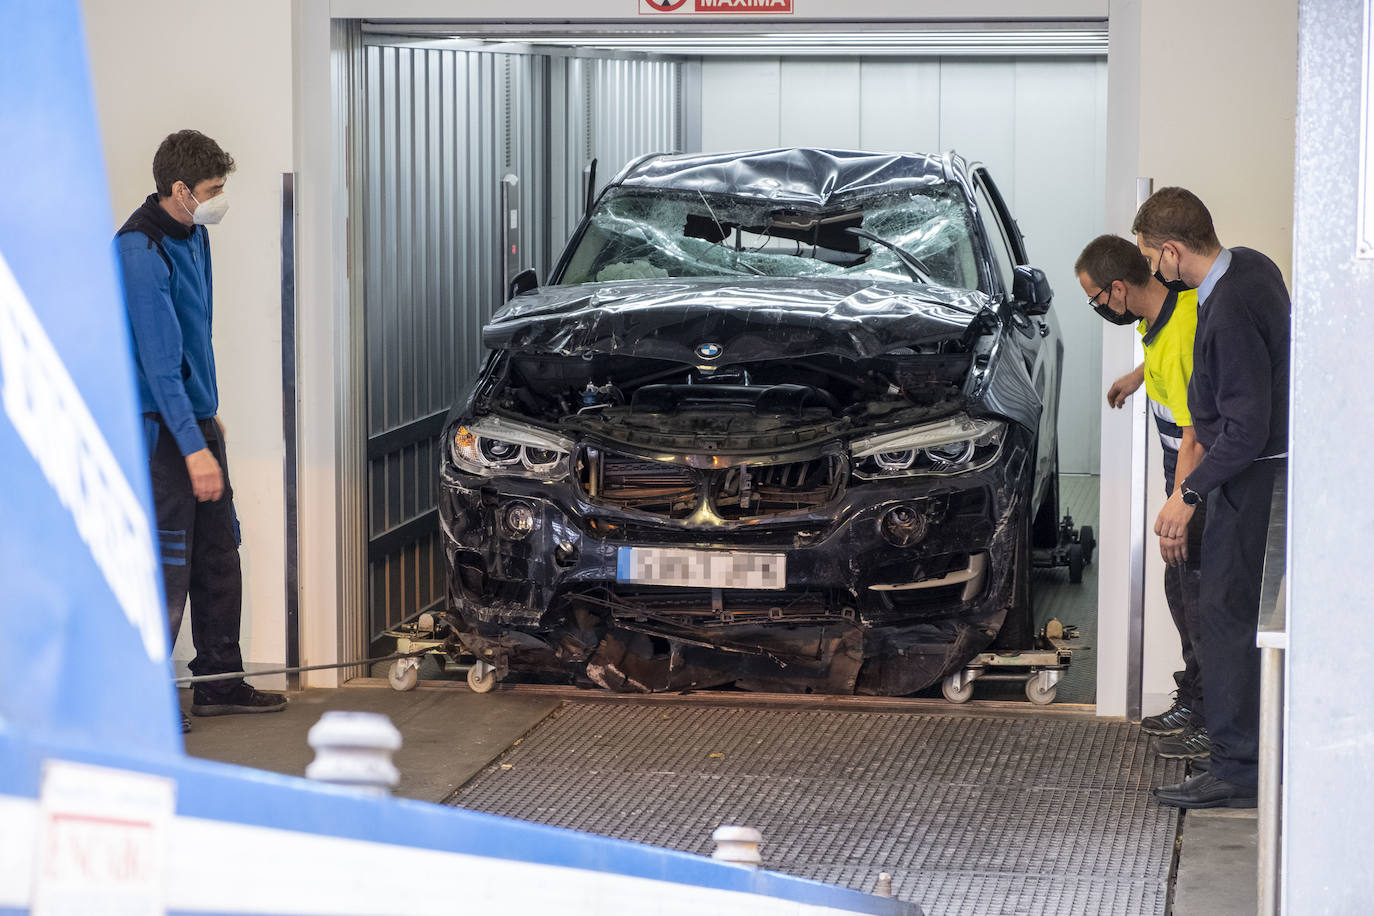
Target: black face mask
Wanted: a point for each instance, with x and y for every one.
(1174, 286)
(1108, 315)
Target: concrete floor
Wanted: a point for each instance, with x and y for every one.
(450, 734)
(1217, 870)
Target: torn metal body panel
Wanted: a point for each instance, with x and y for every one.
(736, 443)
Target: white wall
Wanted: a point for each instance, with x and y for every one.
(153, 73)
(1039, 125)
(1203, 96)
(1238, 159)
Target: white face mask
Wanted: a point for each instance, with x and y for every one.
(209, 212)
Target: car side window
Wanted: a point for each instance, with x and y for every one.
(996, 235)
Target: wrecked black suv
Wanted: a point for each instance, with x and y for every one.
(783, 420)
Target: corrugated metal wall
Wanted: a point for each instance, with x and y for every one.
(442, 128)
(614, 111)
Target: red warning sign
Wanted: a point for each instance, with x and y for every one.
(753, 7)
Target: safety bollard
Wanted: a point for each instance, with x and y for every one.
(354, 749)
(739, 845)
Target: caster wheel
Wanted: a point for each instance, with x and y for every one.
(1039, 695)
(404, 674)
(1086, 538)
(957, 694)
(1076, 561)
(482, 678)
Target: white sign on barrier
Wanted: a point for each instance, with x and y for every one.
(101, 841)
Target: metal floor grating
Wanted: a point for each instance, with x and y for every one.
(971, 814)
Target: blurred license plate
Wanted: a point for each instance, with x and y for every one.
(701, 568)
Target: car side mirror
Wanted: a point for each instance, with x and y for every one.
(1031, 290)
(523, 282)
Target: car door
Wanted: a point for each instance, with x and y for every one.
(1036, 336)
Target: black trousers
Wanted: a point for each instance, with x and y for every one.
(200, 557)
(1182, 592)
(1233, 546)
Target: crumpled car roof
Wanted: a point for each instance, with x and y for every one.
(803, 177)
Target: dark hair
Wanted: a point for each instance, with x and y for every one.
(189, 156)
(1176, 215)
(1110, 257)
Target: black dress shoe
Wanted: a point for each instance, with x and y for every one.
(1172, 721)
(1206, 791)
(1190, 745)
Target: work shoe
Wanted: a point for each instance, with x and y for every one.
(242, 699)
(185, 723)
(1191, 745)
(1206, 791)
(1171, 721)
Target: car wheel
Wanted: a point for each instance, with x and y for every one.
(1077, 558)
(1088, 540)
(1018, 629)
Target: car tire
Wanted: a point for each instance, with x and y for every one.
(1077, 557)
(1018, 628)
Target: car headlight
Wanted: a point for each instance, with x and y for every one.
(953, 446)
(490, 447)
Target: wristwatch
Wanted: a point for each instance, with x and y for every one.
(1190, 497)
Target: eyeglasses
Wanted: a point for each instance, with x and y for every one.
(1105, 310)
(1092, 300)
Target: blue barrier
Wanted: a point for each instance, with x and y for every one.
(101, 809)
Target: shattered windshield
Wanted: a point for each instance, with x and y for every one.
(636, 235)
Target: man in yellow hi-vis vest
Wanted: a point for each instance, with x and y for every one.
(1116, 278)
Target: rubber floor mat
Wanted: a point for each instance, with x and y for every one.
(971, 814)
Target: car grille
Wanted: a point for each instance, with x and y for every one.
(656, 487)
(763, 491)
(741, 493)
(697, 607)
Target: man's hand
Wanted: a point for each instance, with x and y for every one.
(206, 480)
(1174, 550)
(1126, 386)
(1172, 524)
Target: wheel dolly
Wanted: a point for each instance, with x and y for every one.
(1074, 550)
(1041, 668)
(427, 635)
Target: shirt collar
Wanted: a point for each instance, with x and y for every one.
(1219, 266)
(1166, 311)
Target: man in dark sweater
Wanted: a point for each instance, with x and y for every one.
(1238, 398)
(164, 260)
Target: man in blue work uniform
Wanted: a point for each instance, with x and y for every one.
(1238, 397)
(164, 256)
(1115, 277)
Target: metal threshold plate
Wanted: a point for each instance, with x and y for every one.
(970, 814)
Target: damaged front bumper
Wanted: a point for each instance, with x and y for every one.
(539, 580)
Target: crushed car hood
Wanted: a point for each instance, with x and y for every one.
(732, 321)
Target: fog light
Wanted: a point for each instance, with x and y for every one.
(903, 526)
(519, 520)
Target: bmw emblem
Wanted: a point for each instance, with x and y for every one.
(709, 350)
